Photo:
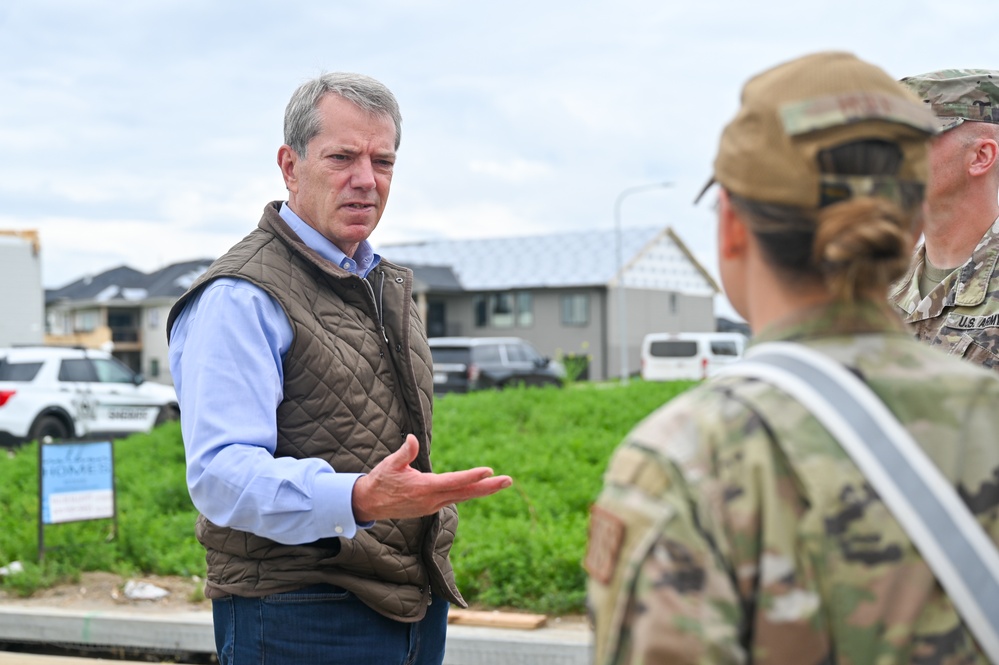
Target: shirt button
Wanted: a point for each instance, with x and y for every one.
(339, 529)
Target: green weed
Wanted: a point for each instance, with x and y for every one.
(521, 548)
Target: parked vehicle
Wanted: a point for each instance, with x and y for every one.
(675, 356)
(63, 393)
(462, 364)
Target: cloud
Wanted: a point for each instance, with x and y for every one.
(472, 220)
(515, 170)
(147, 132)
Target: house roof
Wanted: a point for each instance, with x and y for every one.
(124, 283)
(92, 287)
(652, 257)
(174, 280)
(439, 279)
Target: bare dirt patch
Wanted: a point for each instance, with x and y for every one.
(106, 591)
(101, 591)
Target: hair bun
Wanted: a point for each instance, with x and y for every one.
(861, 245)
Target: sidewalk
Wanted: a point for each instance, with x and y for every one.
(191, 632)
(31, 659)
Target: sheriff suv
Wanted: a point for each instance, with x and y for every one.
(63, 393)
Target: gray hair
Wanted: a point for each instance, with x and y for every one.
(301, 117)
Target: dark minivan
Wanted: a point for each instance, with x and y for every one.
(462, 364)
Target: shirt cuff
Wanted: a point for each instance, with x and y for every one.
(334, 492)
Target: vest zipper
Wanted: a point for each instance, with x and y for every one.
(378, 301)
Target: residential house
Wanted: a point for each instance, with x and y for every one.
(123, 311)
(564, 293)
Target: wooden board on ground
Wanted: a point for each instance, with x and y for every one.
(496, 619)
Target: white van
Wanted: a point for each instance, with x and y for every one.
(674, 356)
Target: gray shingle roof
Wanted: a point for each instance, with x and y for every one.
(438, 279)
(565, 259)
(91, 287)
(653, 258)
(124, 283)
(174, 280)
(561, 260)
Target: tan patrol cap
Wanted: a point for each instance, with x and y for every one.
(790, 113)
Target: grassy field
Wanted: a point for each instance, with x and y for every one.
(520, 549)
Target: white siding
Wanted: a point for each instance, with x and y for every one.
(155, 360)
(664, 266)
(22, 298)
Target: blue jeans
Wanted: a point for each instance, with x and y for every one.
(321, 625)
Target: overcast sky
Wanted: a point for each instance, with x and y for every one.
(144, 133)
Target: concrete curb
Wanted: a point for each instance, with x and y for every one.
(191, 632)
(468, 645)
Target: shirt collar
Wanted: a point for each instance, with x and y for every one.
(360, 264)
(973, 284)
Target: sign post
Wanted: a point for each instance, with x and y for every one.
(76, 483)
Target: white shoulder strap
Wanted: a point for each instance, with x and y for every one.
(950, 539)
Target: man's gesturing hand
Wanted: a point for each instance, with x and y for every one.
(394, 489)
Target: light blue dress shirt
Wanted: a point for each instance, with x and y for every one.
(229, 416)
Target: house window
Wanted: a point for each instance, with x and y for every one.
(575, 309)
(504, 310)
(85, 320)
(525, 309)
(501, 310)
(672, 303)
(57, 324)
(154, 367)
(481, 311)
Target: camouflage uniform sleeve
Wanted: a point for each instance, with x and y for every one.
(704, 562)
(664, 557)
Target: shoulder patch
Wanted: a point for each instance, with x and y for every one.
(631, 466)
(604, 544)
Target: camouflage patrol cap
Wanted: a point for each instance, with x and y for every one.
(790, 113)
(956, 95)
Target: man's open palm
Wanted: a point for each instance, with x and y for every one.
(395, 490)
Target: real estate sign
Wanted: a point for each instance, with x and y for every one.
(76, 481)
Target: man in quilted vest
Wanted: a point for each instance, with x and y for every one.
(306, 388)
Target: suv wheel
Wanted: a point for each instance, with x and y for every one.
(166, 414)
(48, 426)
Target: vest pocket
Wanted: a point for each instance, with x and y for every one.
(317, 593)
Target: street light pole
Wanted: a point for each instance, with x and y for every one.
(622, 309)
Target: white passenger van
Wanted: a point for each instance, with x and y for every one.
(674, 356)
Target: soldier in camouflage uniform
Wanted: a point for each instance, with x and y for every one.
(732, 527)
(950, 296)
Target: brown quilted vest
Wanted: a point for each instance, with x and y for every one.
(352, 391)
